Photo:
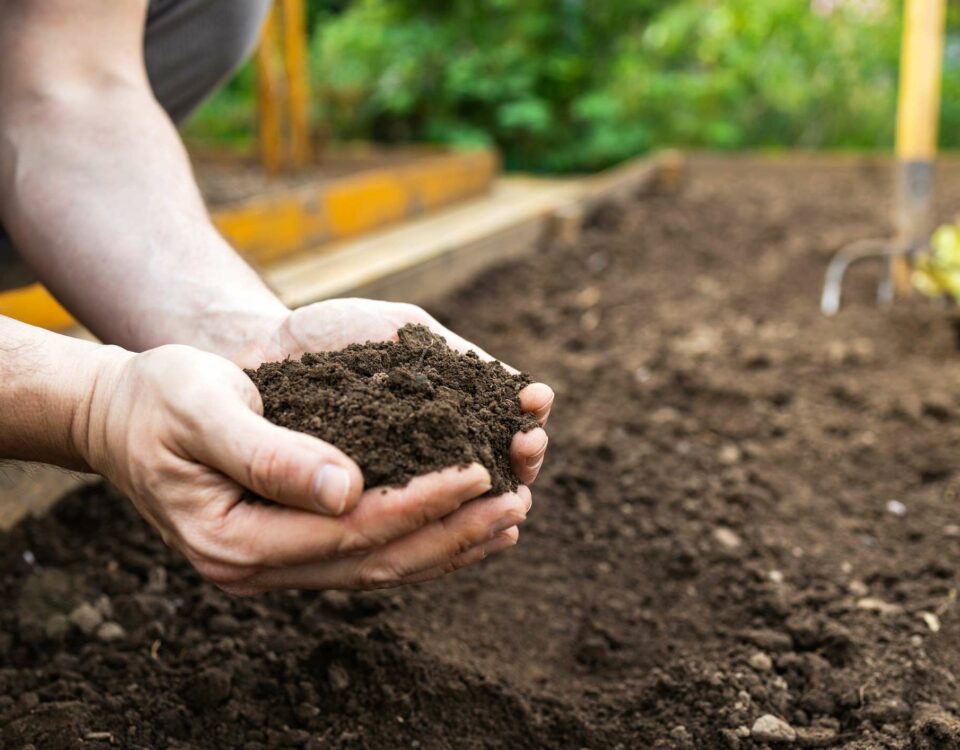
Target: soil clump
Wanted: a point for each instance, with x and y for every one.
(401, 408)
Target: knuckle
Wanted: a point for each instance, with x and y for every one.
(463, 543)
(459, 541)
(267, 467)
(426, 510)
(355, 540)
(460, 561)
(378, 575)
(517, 506)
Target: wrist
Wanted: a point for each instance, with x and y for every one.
(47, 379)
(99, 376)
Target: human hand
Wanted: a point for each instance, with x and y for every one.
(336, 323)
(180, 432)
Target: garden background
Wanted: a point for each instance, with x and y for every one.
(576, 85)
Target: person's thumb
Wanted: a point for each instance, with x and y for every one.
(282, 465)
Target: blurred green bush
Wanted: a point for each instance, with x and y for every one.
(568, 85)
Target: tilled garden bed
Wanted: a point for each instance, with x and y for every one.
(747, 533)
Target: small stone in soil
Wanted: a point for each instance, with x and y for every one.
(768, 728)
(931, 621)
(680, 734)
(896, 508)
(87, 618)
(768, 640)
(761, 662)
(873, 604)
(727, 538)
(816, 736)
(110, 631)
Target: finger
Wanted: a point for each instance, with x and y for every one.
(434, 545)
(259, 535)
(476, 523)
(527, 451)
(386, 514)
(502, 541)
(288, 467)
(537, 398)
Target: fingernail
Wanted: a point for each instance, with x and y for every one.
(546, 408)
(498, 545)
(505, 523)
(543, 413)
(483, 482)
(331, 485)
(534, 461)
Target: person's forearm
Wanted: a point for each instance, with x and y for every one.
(47, 380)
(97, 193)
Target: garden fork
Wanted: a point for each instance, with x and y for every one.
(918, 113)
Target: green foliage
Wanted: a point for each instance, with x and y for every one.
(566, 85)
(229, 117)
(744, 73)
(523, 74)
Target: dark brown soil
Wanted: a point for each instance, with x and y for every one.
(402, 408)
(748, 509)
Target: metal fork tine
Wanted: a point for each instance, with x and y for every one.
(877, 249)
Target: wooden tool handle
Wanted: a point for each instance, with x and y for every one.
(921, 65)
(918, 116)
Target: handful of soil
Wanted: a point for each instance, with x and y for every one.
(401, 409)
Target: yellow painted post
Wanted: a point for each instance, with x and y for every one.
(298, 90)
(918, 116)
(269, 95)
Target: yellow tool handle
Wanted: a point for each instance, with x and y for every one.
(921, 66)
(918, 117)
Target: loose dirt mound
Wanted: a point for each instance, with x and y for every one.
(402, 408)
(749, 517)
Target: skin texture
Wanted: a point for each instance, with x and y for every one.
(97, 193)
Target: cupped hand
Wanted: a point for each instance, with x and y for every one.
(336, 323)
(180, 432)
